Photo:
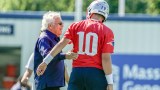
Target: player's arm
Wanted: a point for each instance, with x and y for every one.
(26, 77)
(107, 67)
(29, 70)
(55, 50)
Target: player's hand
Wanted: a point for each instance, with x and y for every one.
(41, 68)
(110, 87)
(71, 55)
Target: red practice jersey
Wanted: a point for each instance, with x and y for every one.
(90, 39)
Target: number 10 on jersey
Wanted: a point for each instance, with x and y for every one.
(87, 39)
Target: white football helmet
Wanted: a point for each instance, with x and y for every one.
(100, 7)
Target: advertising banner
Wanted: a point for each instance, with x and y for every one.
(136, 72)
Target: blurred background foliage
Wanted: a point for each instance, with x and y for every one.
(151, 7)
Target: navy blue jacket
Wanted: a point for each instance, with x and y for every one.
(54, 74)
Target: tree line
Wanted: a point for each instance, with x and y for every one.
(151, 7)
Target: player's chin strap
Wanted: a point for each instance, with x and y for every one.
(109, 78)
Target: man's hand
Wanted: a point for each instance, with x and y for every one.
(71, 55)
(110, 87)
(24, 81)
(41, 68)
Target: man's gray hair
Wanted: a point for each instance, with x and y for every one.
(49, 18)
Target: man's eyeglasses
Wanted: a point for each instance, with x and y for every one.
(61, 23)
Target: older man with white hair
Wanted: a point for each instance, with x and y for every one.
(53, 77)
